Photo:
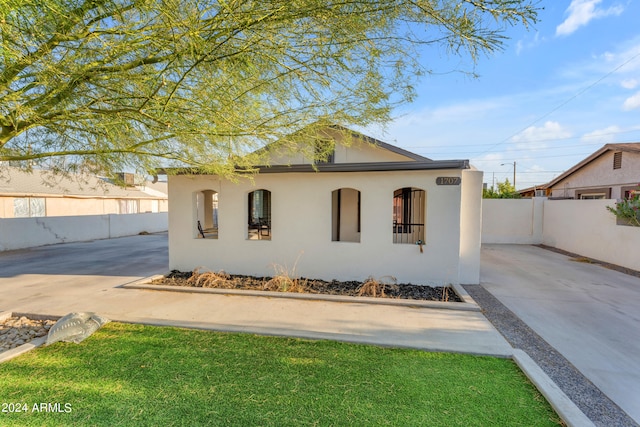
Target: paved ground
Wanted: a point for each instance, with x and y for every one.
(59, 279)
(588, 313)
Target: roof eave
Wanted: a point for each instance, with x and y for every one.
(340, 167)
(367, 167)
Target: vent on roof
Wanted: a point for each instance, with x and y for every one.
(128, 179)
(617, 160)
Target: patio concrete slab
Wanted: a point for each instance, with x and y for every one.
(585, 311)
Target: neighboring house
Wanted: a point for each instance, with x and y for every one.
(609, 173)
(370, 209)
(537, 191)
(42, 193)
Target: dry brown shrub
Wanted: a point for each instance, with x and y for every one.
(285, 280)
(445, 294)
(210, 279)
(284, 283)
(375, 288)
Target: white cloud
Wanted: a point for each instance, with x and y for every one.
(450, 113)
(629, 83)
(602, 136)
(581, 12)
(536, 137)
(632, 102)
(529, 44)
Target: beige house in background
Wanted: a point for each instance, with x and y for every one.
(609, 173)
(41, 193)
(370, 209)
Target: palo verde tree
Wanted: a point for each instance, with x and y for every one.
(111, 85)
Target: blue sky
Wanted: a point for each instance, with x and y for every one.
(557, 92)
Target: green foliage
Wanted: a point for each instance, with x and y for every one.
(110, 85)
(628, 209)
(130, 375)
(505, 191)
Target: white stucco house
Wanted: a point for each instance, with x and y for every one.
(370, 209)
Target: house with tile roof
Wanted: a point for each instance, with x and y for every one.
(41, 193)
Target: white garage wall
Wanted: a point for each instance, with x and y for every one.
(583, 227)
(20, 233)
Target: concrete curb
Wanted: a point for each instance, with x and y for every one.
(35, 343)
(468, 305)
(564, 407)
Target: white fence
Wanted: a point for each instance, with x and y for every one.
(20, 233)
(583, 227)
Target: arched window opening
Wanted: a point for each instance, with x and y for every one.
(259, 215)
(409, 206)
(345, 215)
(207, 214)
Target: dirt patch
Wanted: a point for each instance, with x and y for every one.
(379, 288)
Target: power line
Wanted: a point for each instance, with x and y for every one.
(519, 149)
(562, 104)
(413, 147)
(537, 157)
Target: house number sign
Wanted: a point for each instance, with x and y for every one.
(448, 180)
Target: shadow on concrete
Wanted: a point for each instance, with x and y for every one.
(123, 256)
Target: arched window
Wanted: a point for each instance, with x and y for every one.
(206, 214)
(259, 215)
(345, 215)
(409, 207)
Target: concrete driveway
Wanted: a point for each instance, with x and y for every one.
(589, 313)
(55, 275)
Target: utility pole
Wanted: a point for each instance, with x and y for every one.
(514, 172)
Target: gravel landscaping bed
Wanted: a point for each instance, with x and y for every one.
(369, 288)
(15, 331)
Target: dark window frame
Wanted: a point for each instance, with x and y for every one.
(409, 206)
(259, 221)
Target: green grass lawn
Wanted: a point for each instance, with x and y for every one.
(152, 376)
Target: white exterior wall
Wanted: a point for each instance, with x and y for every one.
(356, 152)
(512, 220)
(75, 206)
(20, 233)
(470, 227)
(601, 174)
(583, 227)
(302, 229)
(587, 228)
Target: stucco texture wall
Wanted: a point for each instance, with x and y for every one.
(601, 174)
(583, 227)
(301, 226)
(512, 220)
(19, 233)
